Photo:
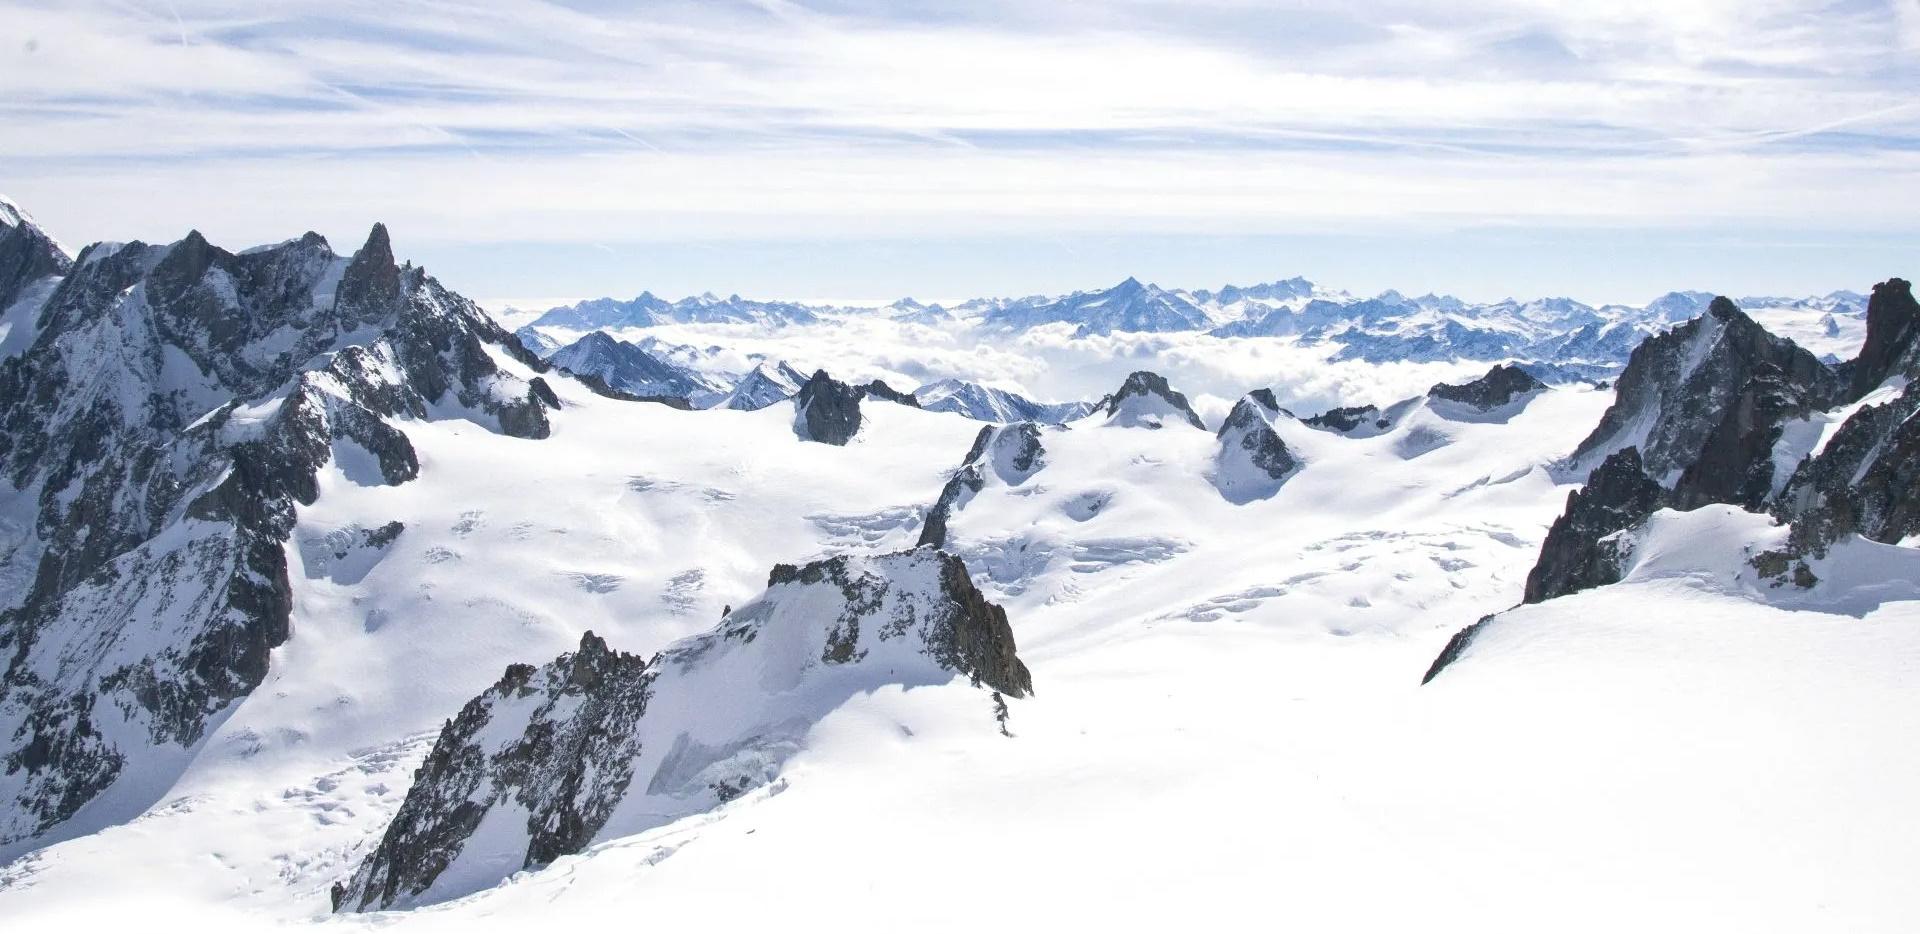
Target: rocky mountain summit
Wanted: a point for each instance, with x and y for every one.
(1146, 401)
(1009, 453)
(1893, 317)
(1718, 412)
(766, 384)
(598, 743)
(826, 410)
(173, 407)
(1705, 404)
(1130, 306)
(1498, 389)
(1253, 460)
(626, 368)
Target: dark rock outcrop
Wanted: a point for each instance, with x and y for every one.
(567, 765)
(826, 410)
(1866, 481)
(1349, 419)
(1580, 551)
(1705, 404)
(1498, 388)
(27, 254)
(1893, 324)
(1011, 452)
(878, 389)
(1146, 401)
(1455, 647)
(555, 754)
(1253, 460)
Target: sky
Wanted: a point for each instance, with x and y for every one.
(868, 150)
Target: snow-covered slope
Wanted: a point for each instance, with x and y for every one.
(599, 745)
(1704, 724)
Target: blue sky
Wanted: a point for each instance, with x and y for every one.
(851, 149)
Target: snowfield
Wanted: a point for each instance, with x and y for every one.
(1228, 726)
(331, 604)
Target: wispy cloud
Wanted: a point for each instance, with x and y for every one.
(529, 120)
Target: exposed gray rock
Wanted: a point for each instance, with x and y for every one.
(1705, 404)
(1253, 461)
(1499, 388)
(1581, 549)
(1011, 452)
(599, 744)
(878, 389)
(826, 410)
(27, 254)
(566, 764)
(1146, 401)
(1893, 323)
(763, 386)
(1866, 480)
(1348, 420)
(1455, 648)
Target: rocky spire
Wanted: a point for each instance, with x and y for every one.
(1893, 320)
(826, 410)
(371, 283)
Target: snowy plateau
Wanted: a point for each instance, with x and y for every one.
(328, 600)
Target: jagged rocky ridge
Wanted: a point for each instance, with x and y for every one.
(1698, 414)
(598, 743)
(1717, 397)
(1866, 480)
(1350, 420)
(171, 411)
(1705, 404)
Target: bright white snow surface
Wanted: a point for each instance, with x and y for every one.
(1228, 730)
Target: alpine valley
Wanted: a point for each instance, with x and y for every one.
(327, 599)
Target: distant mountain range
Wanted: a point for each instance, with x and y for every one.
(1559, 337)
